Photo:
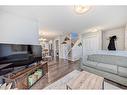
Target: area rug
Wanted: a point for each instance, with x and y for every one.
(61, 83)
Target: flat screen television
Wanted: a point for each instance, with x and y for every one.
(10, 49)
(19, 55)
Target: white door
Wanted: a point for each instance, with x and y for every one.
(90, 44)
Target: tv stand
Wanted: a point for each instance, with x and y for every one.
(27, 77)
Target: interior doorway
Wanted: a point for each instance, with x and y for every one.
(57, 48)
(51, 50)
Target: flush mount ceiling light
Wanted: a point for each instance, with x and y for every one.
(94, 29)
(81, 9)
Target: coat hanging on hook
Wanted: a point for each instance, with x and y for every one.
(111, 45)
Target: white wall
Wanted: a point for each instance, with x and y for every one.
(18, 30)
(76, 53)
(120, 42)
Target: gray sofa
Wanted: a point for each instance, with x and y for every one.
(112, 67)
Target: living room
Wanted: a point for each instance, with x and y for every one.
(80, 47)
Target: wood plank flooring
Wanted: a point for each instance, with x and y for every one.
(57, 69)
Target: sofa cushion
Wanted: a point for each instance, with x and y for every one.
(122, 71)
(90, 64)
(108, 59)
(107, 67)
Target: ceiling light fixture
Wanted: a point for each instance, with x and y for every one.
(94, 29)
(81, 9)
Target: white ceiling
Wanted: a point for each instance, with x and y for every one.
(56, 20)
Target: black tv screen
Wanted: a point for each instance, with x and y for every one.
(19, 55)
(10, 49)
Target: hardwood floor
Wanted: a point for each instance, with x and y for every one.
(56, 69)
(59, 68)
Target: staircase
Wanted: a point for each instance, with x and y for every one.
(75, 51)
(72, 48)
